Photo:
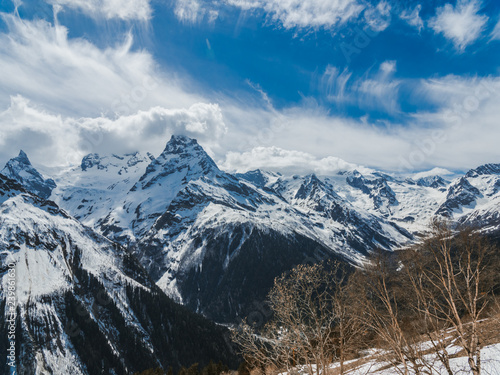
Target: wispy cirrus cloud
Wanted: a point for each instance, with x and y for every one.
(75, 77)
(305, 13)
(377, 90)
(495, 34)
(412, 17)
(110, 9)
(194, 11)
(461, 23)
(294, 14)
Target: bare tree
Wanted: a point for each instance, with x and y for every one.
(415, 304)
(312, 323)
(450, 276)
(377, 287)
(350, 328)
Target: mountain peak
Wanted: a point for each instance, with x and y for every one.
(180, 143)
(182, 138)
(23, 158)
(183, 157)
(181, 149)
(89, 161)
(484, 170)
(21, 170)
(436, 182)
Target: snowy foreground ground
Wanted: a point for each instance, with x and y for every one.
(490, 357)
(373, 363)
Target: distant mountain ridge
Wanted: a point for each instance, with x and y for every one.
(205, 236)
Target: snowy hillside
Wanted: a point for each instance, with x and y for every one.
(81, 297)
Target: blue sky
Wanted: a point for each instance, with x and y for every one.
(285, 85)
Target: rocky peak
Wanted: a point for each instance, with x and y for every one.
(435, 182)
(21, 170)
(309, 187)
(484, 170)
(183, 157)
(90, 161)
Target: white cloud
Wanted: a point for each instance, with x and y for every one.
(74, 77)
(495, 34)
(433, 172)
(314, 131)
(464, 131)
(53, 140)
(71, 97)
(413, 17)
(460, 93)
(305, 13)
(378, 18)
(194, 11)
(461, 24)
(461, 133)
(378, 90)
(286, 162)
(333, 84)
(110, 9)
(388, 67)
(63, 97)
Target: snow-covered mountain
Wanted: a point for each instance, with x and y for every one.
(205, 235)
(475, 198)
(21, 170)
(215, 241)
(84, 304)
(90, 190)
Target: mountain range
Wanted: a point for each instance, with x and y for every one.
(138, 232)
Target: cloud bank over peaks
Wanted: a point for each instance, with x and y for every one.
(433, 172)
(287, 162)
(54, 140)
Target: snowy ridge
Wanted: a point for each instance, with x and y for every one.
(474, 198)
(88, 190)
(195, 227)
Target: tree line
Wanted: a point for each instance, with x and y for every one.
(414, 304)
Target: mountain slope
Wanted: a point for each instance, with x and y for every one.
(475, 198)
(209, 246)
(84, 304)
(90, 191)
